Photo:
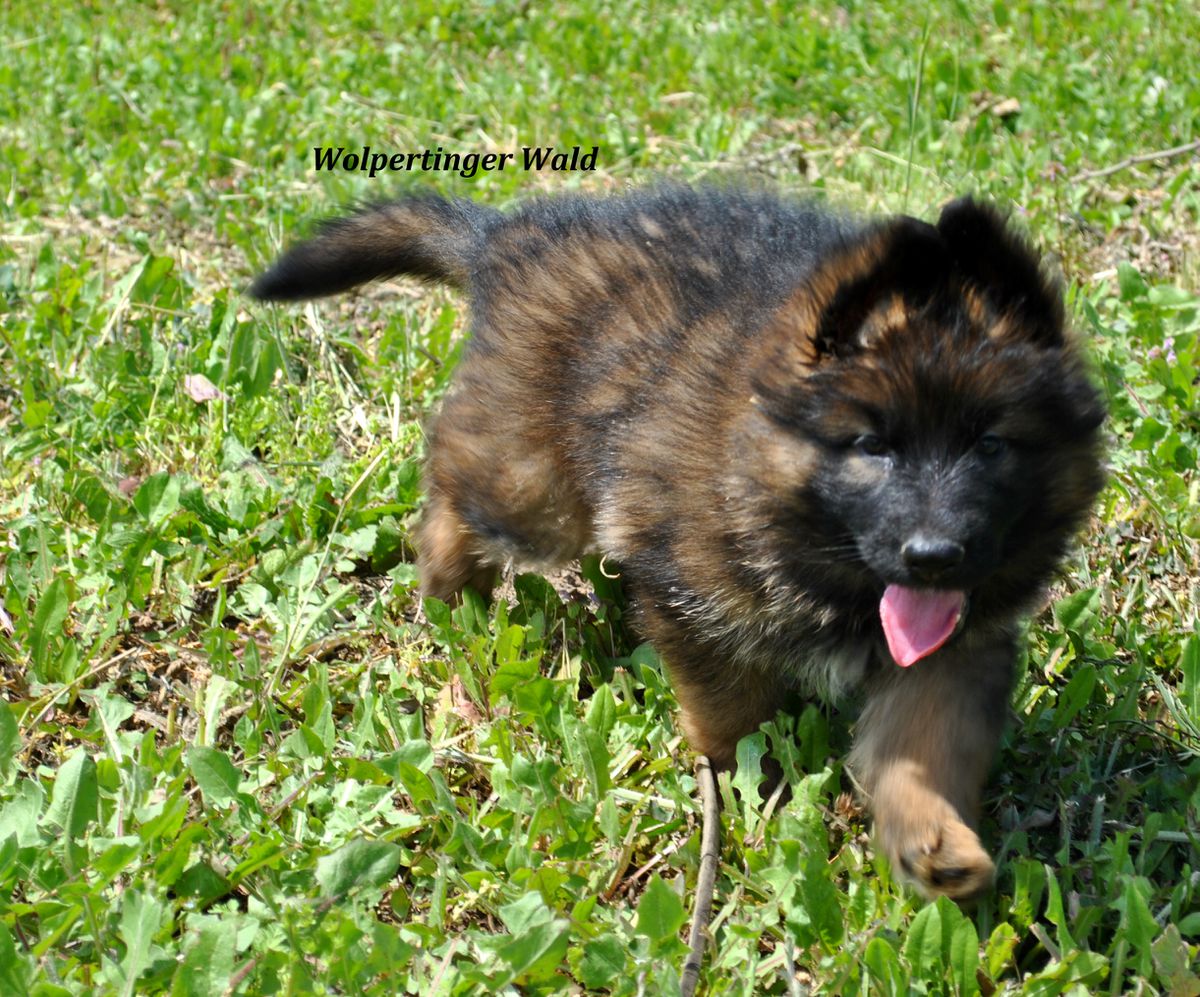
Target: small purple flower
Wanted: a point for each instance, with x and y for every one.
(1167, 349)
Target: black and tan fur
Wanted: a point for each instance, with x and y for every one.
(751, 404)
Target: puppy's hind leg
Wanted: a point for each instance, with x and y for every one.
(449, 555)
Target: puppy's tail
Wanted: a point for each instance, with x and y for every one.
(426, 236)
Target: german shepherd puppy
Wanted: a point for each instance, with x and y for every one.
(827, 453)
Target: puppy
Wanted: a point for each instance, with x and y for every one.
(828, 452)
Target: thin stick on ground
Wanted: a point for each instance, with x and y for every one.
(1144, 157)
(710, 851)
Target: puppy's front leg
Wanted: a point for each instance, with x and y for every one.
(719, 702)
(925, 742)
(717, 712)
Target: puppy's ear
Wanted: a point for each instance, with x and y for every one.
(857, 294)
(994, 262)
(870, 288)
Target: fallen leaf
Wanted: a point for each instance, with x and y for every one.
(200, 389)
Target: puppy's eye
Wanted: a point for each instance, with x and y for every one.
(870, 445)
(990, 445)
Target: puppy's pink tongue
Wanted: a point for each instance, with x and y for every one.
(917, 622)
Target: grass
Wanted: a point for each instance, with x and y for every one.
(233, 756)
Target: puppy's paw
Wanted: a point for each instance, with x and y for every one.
(927, 841)
(943, 858)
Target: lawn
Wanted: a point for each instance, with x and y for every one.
(236, 753)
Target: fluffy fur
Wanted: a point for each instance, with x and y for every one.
(768, 414)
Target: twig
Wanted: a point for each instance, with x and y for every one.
(52, 697)
(710, 850)
(1143, 157)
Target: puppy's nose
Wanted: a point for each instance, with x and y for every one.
(929, 556)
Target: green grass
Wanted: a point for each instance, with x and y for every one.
(234, 757)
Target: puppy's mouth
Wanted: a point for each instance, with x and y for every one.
(916, 622)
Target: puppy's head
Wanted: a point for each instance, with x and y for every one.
(948, 427)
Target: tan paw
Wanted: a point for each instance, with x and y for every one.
(941, 858)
